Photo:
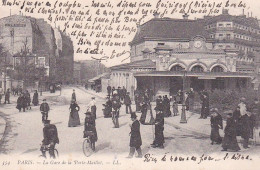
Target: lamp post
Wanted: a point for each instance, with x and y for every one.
(183, 113)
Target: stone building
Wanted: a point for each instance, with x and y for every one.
(215, 52)
(17, 31)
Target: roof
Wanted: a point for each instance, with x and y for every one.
(104, 75)
(147, 63)
(242, 19)
(168, 28)
(202, 75)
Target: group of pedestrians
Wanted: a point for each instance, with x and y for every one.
(24, 100)
(241, 122)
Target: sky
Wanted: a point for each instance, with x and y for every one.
(251, 6)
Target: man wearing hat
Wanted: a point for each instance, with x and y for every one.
(135, 137)
(50, 135)
(92, 106)
(116, 104)
(127, 102)
(90, 129)
(44, 108)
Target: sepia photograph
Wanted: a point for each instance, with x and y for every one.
(130, 84)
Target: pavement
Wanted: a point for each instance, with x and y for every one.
(184, 138)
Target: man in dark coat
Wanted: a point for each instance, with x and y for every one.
(19, 103)
(237, 120)
(24, 102)
(124, 92)
(216, 124)
(245, 129)
(109, 90)
(44, 108)
(50, 137)
(159, 103)
(28, 99)
(135, 137)
(144, 109)
(116, 104)
(7, 96)
(230, 140)
(90, 126)
(159, 128)
(166, 106)
(127, 102)
(113, 90)
(137, 102)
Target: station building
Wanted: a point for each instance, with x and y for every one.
(214, 52)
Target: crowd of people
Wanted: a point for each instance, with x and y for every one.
(241, 122)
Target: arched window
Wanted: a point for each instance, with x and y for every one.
(197, 69)
(217, 69)
(177, 68)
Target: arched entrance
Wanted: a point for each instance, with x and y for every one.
(176, 82)
(195, 83)
(218, 83)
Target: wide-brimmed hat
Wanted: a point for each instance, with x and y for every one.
(44, 100)
(92, 97)
(87, 113)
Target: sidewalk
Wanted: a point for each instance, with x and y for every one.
(2, 126)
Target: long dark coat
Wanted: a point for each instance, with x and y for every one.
(74, 115)
(166, 107)
(19, 102)
(127, 100)
(135, 138)
(159, 128)
(35, 100)
(90, 125)
(230, 140)
(216, 124)
(245, 128)
(144, 112)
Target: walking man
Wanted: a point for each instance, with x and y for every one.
(73, 96)
(127, 102)
(135, 137)
(44, 108)
(92, 107)
(7, 96)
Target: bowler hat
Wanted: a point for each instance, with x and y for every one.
(44, 100)
(92, 97)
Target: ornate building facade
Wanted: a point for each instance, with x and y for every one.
(217, 52)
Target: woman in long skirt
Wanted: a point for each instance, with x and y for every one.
(35, 100)
(216, 124)
(74, 115)
(230, 140)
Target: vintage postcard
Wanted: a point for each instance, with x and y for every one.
(129, 84)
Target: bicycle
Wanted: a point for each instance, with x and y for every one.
(87, 146)
(47, 149)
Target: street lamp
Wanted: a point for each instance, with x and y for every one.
(183, 113)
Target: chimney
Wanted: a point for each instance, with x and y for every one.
(185, 16)
(243, 13)
(156, 14)
(248, 14)
(251, 14)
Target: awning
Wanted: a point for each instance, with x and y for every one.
(98, 77)
(200, 75)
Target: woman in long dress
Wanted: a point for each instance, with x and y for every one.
(216, 124)
(35, 100)
(74, 115)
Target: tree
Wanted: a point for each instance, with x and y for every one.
(26, 69)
